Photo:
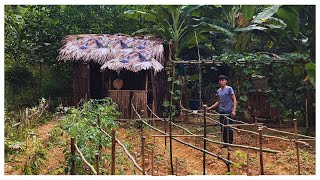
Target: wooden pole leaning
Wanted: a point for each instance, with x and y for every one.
(73, 153)
(113, 153)
(296, 143)
(143, 139)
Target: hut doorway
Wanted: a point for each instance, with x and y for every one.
(128, 88)
(96, 81)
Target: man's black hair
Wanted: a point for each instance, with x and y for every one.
(222, 77)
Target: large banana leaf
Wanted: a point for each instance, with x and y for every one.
(311, 70)
(140, 14)
(265, 14)
(248, 11)
(250, 28)
(290, 17)
(275, 23)
(207, 24)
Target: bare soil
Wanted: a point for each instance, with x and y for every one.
(186, 161)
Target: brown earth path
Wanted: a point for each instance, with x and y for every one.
(54, 156)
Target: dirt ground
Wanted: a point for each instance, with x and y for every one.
(190, 161)
(186, 161)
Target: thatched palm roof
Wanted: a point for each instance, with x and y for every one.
(133, 53)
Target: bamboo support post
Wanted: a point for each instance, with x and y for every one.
(261, 152)
(141, 124)
(125, 150)
(204, 139)
(296, 144)
(99, 125)
(170, 144)
(165, 130)
(73, 153)
(228, 164)
(99, 120)
(256, 123)
(143, 155)
(97, 163)
(152, 162)
(113, 153)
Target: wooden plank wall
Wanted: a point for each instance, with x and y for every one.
(124, 98)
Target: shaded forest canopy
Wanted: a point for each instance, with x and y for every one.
(34, 34)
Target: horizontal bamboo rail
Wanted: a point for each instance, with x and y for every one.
(168, 121)
(217, 114)
(179, 135)
(237, 145)
(182, 142)
(85, 161)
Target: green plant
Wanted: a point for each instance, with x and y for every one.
(82, 125)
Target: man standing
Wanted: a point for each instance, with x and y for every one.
(227, 103)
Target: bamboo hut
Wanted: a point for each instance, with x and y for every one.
(129, 70)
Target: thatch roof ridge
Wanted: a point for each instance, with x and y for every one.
(115, 52)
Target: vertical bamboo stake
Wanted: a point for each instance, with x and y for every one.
(204, 138)
(248, 164)
(99, 120)
(228, 131)
(228, 135)
(256, 141)
(142, 152)
(307, 121)
(97, 163)
(113, 153)
(73, 153)
(99, 125)
(297, 147)
(170, 144)
(165, 130)
(261, 153)
(152, 161)
(228, 164)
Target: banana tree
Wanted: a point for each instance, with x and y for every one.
(171, 23)
(238, 22)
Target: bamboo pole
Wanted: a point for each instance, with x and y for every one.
(165, 130)
(228, 164)
(113, 153)
(306, 111)
(152, 162)
(255, 140)
(97, 163)
(85, 161)
(261, 152)
(73, 153)
(296, 144)
(170, 144)
(204, 139)
(125, 150)
(143, 155)
(179, 135)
